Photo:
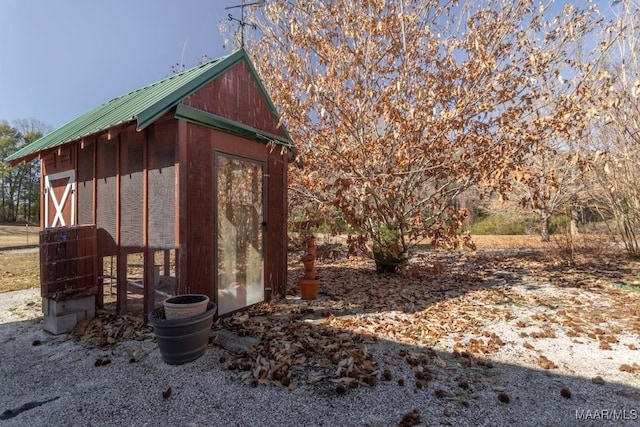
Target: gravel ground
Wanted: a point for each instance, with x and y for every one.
(56, 377)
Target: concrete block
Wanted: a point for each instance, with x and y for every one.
(61, 308)
(86, 314)
(62, 316)
(60, 324)
(91, 313)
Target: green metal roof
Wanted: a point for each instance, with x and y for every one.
(143, 105)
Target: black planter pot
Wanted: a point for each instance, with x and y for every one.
(182, 340)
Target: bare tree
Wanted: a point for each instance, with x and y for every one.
(616, 138)
(550, 182)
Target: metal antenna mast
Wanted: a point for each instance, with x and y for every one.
(241, 21)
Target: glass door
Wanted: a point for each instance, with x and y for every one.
(239, 255)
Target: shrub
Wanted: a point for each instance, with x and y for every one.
(559, 223)
(500, 224)
(388, 250)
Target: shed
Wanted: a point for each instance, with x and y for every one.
(177, 187)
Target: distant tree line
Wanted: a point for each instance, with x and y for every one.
(20, 184)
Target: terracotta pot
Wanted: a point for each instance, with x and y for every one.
(309, 288)
(308, 265)
(311, 274)
(311, 246)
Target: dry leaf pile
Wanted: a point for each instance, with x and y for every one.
(441, 301)
(294, 346)
(107, 329)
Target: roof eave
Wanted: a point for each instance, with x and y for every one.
(194, 115)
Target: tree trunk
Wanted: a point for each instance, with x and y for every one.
(573, 226)
(544, 226)
(2, 206)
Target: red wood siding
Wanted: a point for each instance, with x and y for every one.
(199, 219)
(276, 217)
(236, 96)
(59, 160)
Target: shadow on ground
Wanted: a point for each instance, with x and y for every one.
(370, 351)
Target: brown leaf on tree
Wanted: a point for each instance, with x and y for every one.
(387, 137)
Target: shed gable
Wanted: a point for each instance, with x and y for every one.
(237, 96)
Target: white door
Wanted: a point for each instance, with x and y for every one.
(60, 199)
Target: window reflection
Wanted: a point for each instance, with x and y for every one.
(239, 252)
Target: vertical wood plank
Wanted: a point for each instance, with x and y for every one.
(42, 195)
(73, 198)
(121, 305)
(99, 266)
(167, 263)
(181, 218)
(199, 211)
(148, 257)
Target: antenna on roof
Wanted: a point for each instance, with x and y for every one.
(241, 21)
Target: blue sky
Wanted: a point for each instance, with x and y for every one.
(60, 58)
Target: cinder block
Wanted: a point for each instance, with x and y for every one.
(61, 308)
(60, 324)
(91, 313)
(86, 314)
(62, 316)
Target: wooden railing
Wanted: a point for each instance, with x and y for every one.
(68, 262)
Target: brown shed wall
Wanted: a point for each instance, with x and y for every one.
(276, 217)
(200, 244)
(235, 95)
(198, 218)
